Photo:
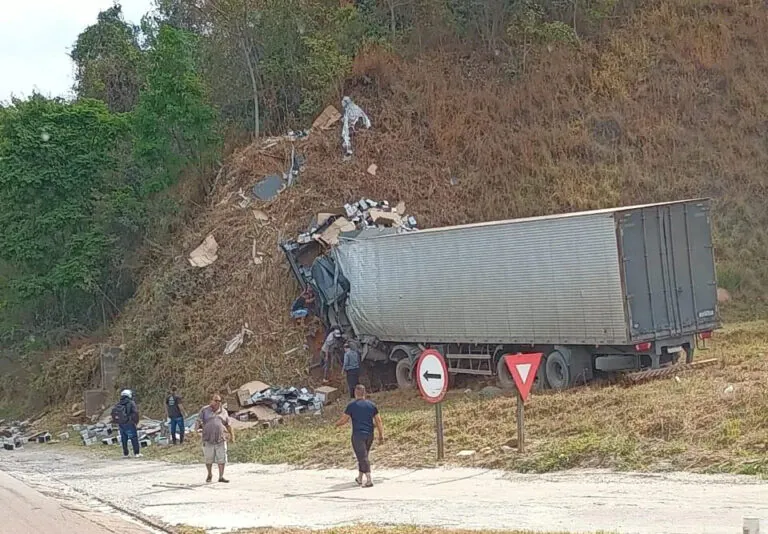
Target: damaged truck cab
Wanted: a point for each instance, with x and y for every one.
(596, 292)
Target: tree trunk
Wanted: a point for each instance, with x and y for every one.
(254, 87)
(392, 23)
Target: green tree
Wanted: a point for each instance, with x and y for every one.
(174, 126)
(109, 61)
(64, 206)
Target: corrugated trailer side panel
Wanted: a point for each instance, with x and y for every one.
(548, 280)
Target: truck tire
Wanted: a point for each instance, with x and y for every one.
(558, 371)
(404, 374)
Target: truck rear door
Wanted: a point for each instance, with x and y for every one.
(669, 269)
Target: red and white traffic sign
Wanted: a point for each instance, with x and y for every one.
(432, 376)
(523, 368)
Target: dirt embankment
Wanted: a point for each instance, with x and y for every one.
(673, 104)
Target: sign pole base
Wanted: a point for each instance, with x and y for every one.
(439, 425)
(520, 424)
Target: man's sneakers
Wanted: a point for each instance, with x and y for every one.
(138, 455)
(222, 479)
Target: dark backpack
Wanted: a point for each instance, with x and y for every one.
(120, 414)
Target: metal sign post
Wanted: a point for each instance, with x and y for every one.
(439, 425)
(520, 424)
(523, 368)
(432, 378)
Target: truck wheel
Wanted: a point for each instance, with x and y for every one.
(404, 374)
(503, 376)
(558, 371)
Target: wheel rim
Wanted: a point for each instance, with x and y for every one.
(559, 372)
(405, 372)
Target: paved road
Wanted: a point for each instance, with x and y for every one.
(26, 510)
(584, 501)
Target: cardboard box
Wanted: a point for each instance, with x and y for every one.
(246, 391)
(327, 394)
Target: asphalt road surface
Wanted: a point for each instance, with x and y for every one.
(27, 510)
(280, 496)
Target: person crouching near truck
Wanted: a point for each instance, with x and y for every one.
(351, 367)
(326, 351)
(364, 416)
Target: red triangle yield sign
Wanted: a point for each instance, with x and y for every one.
(523, 368)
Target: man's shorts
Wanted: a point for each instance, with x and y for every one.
(215, 453)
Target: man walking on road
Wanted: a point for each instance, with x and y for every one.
(214, 421)
(125, 415)
(364, 415)
(352, 368)
(174, 409)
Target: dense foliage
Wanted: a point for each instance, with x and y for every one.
(81, 185)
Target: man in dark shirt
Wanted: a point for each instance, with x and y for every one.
(351, 368)
(364, 415)
(174, 409)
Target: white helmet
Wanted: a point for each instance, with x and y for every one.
(126, 393)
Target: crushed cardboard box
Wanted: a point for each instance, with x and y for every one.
(205, 254)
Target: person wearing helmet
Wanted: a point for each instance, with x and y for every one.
(125, 415)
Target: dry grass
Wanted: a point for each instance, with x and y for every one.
(690, 425)
(673, 104)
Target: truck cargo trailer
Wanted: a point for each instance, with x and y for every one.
(597, 292)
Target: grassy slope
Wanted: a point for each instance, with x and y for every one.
(690, 425)
(672, 103)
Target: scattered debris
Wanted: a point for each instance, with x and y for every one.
(652, 374)
(12, 434)
(330, 235)
(205, 254)
(506, 448)
(234, 343)
(465, 454)
(729, 390)
(260, 216)
(326, 119)
(385, 218)
(245, 200)
(327, 394)
(258, 257)
(372, 169)
(92, 434)
(352, 114)
(246, 391)
(354, 218)
(266, 404)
